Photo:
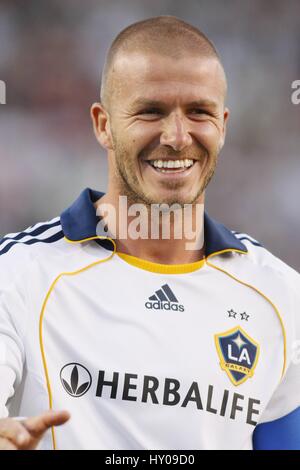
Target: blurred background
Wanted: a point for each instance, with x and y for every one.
(51, 56)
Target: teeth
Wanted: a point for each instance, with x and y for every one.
(172, 163)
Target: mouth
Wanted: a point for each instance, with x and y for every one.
(171, 166)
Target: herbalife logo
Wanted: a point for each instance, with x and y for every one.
(75, 379)
(164, 299)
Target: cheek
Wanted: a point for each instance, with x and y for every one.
(208, 134)
(142, 135)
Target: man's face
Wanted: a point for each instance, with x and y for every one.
(163, 110)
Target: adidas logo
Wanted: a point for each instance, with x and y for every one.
(164, 299)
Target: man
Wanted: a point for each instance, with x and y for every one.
(149, 342)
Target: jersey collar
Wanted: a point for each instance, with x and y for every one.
(79, 222)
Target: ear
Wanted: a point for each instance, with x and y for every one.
(101, 125)
(225, 119)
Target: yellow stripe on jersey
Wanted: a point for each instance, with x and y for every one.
(67, 273)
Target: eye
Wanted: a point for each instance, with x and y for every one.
(198, 111)
(150, 114)
(150, 111)
(199, 114)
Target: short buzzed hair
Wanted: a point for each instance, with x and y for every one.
(163, 35)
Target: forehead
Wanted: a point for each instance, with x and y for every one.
(152, 76)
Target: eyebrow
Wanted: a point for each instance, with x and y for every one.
(143, 102)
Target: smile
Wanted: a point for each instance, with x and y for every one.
(171, 166)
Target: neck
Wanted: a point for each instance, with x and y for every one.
(169, 237)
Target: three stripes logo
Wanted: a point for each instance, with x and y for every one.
(164, 299)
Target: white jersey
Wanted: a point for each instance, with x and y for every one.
(144, 355)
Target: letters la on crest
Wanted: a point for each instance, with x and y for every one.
(238, 354)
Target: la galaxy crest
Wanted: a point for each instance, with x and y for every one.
(238, 354)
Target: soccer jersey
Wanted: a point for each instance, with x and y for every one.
(145, 355)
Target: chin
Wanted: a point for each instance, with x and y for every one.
(173, 199)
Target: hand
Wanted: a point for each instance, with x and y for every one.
(26, 434)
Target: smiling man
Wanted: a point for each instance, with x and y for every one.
(162, 119)
(148, 344)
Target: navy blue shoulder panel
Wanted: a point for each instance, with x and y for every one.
(281, 434)
(79, 221)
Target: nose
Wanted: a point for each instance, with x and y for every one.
(175, 133)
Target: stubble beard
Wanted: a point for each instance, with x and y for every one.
(129, 185)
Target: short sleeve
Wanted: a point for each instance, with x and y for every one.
(286, 397)
(12, 354)
(281, 434)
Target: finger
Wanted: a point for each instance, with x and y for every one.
(37, 425)
(14, 431)
(6, 444)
